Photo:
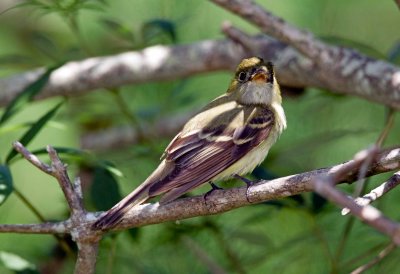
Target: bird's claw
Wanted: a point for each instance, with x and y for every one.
(248, 182)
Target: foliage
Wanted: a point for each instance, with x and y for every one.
(301, 234)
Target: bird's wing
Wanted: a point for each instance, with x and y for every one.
(200, 156)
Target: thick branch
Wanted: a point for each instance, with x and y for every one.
(224, 200)
(353, 72)
(218, 202)
(87, 255)
(167, 63)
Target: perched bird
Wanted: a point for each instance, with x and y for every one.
(229, 137)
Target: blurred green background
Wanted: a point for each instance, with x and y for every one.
(302, 234)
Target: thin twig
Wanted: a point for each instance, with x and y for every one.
(361, 182)
(368, 214)
(377, 192)
(60, 173)
(388, 126)
(386, 251)
(33, 159)
(43, 228)
(363, 256)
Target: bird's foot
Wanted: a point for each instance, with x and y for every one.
(248, 182)
(213, 188)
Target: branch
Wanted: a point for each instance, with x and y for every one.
(325, 186)
(376, 192)
(79, 226)
(368, 214)
(339, 69)
(159, 63)
(386, 251)
(44, 228)
(122, 136)
(225, 200)
(85, 238)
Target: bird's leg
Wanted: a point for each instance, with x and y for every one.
(213, 187)
(248, 182)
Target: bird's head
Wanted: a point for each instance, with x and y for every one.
(255, 83)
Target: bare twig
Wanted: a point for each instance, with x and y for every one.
(60, 173)
(386, 251)
(368, 214)
(388, 125)
(377, 192)
(43, 228)
(32, 158)
(85, 238)
(360, 184)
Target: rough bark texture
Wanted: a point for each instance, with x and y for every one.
(351, 72)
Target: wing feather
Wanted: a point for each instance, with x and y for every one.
(201, 156)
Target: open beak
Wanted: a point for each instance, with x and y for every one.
(260, 75)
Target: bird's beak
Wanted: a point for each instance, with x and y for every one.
(260, 76)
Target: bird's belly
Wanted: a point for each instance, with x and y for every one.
(248, 162)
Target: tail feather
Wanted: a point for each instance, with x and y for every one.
(115, 215)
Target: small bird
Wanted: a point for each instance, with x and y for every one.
(227, 138)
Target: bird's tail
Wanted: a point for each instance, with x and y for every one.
(115, 215)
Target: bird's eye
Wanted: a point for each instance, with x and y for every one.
(242, 76)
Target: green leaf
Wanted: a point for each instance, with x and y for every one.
(16, 263)
(25, 96)
(6, 183)
(104, 190)
(158, 27)
(34, 130)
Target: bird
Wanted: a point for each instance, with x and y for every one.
(228, 138)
